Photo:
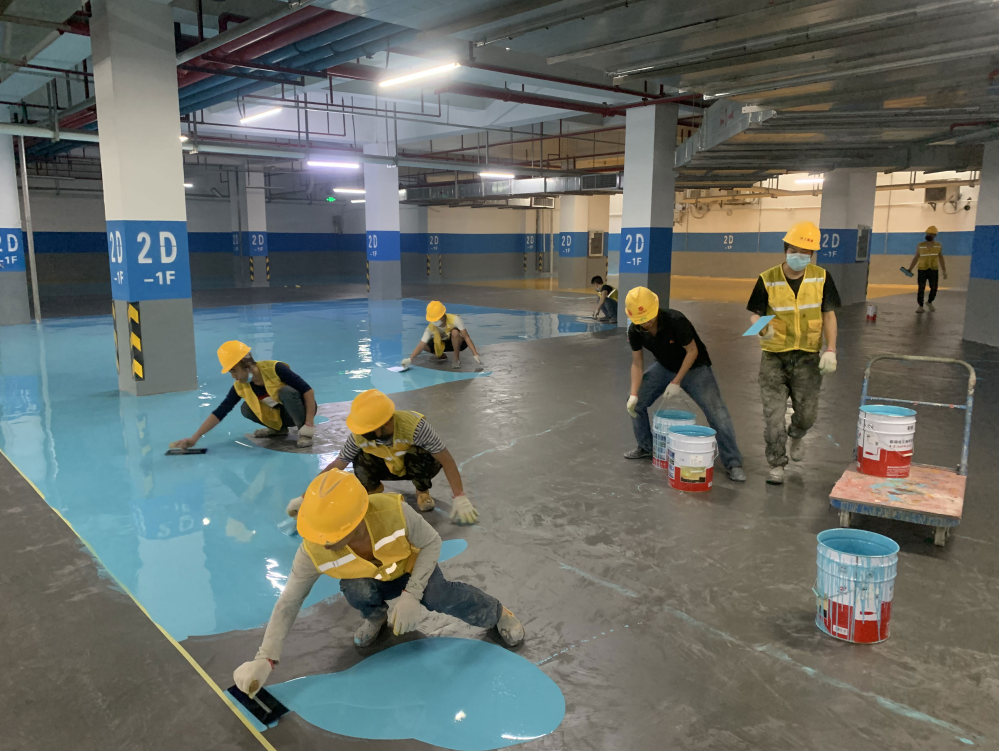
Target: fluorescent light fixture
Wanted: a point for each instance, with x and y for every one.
(497, 175)
(342, 165)
(188, 185)
(358, 191)
(183, 138)
(811, 180)
(357, 200)
(439, 70)
(265, 113)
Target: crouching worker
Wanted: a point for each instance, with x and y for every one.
(385, 556)
(448, 333)
(273, 396)
(606, 302)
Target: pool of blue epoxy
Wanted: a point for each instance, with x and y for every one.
(196, 538)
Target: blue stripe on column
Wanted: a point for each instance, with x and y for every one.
(255, 244)
(646, 250)
(837, 246)
(11, 249)
(383, 245)
(985, 252)
(572, 244)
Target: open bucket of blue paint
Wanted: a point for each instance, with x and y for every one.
(855, 584)
(662, 421)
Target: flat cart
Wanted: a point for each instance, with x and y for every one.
(933, 496)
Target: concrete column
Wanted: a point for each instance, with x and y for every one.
(13, 272)
(646, 246)
(135, 75)
(981, 318)
(240, 260)
(572, 241)
(254, 234)
(847, 210)
(614, 234)
(381, 224)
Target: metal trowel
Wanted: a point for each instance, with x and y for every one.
(262, 706)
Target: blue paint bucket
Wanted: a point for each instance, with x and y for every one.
(855, 584)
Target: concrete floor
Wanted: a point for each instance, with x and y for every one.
(720, 650)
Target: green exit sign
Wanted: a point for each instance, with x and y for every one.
(331, 199)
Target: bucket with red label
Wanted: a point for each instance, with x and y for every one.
(885, 437)
(872, 313)
(692, 452)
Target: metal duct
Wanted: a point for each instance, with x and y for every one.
(488, 192)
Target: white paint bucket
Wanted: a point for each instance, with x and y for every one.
(885, 437)
(692, 451)
(662, 421)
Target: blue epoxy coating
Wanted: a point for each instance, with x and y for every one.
(674, 414)
(692, 430)
(197, 539)
(885, 409)
(454, 693)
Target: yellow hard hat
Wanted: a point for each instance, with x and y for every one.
(435, 311)
(641, 305)
(231, 353)
(804, 235)
(333, 506)
(370, 409)
(931, 230)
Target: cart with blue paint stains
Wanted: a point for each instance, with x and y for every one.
(930, 495)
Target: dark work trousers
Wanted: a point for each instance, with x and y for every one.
(421, 468)
(291, 407)
(933, 277)
(794, 373)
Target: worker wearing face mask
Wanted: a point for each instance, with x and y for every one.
(930, 258)
(803, 300)
(390, 444)
(445, 333)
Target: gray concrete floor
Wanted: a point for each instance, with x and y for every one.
(721, 650)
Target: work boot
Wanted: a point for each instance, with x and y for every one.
(637, 453)
(368, 631)
(424, 502)
(776, 476)
(737, 474)
(269, 432)
(510, 629)
(930, 307)
(379, 489)
(455, 364)
(919, 309)
(304, 442)
(796, 449)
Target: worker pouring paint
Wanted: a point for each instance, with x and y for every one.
(385, 556)
(607, 302)
(447, 333)
(273, 395)
(390, 444)
(930, 259)
(681, 364)
(803, 300)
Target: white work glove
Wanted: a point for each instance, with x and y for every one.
(632, 401)
(269, 401)
(407, 361)
(404, 613)
(307, 430)
(184, 443)
(463, 511)
(293, 505)
(827, 363)
(251, 676)
(477, 359)
(767, 333)
(673, 390)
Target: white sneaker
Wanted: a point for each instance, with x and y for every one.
(776, 476)
(796, 449)
(919, 309)
(269, 432)
(424, 502)
(930, 307)
(510, 628)
(368, 631)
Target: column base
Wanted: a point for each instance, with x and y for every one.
(385, 280)
(572, 272)
(981, 315)
(160, 359)
(14, 307)
(436, 268)
(658, 283)
(850, 280)
(260, 271)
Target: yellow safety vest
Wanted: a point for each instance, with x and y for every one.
(610, 295)
(929, 255)
(387, 528)
(798, 318)
(402, 441)
(269, 416)
(438, 341)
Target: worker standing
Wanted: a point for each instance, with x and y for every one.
(607, 302)
(273, 396)
(390, 444)
(682, 364)
(385, 556)
(803, 300)
(448, 333)
(930, 259)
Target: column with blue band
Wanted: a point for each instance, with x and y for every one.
(847, 211)
(254, 232)
(382, 227)
(572, 241)
(981, 318)
(14, 308)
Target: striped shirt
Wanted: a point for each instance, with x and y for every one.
(425, 437)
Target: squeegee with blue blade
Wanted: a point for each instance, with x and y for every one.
(757, 327)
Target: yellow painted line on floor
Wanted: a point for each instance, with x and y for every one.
(187, 656)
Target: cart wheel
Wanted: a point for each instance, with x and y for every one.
(844, 518)
(940, 535)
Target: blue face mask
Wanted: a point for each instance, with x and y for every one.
(798, 261)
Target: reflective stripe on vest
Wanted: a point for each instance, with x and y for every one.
(269, 416)
(402, 442)
(385, 522)
(438, 341)
(798, 318)
(929, 253)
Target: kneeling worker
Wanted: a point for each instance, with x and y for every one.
(682, 364)
(273, 396)
(607, 302)
(449, 335)
(385, 556)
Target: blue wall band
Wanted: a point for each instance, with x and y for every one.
(985, 260)
(572, 244)
(149, 260)
(646, 250)
(11, 249)
(254, 244)
(383, 245)
(837, 246)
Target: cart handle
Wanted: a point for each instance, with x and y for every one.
(972, 379)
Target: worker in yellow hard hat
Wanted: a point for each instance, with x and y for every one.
(390, 444)
(930, 258)
(803, 300)
(385, 556)
(273, 396)
(445, 333)
(681, 364)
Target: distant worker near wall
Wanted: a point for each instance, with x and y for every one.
(273, 395)
(445, 333)
(803, 299)
(606, 302)
(930, 259)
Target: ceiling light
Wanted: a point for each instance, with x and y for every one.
(357, 200)
(497, 175)
(343, 165)
(183, 138)
(358, 191)
(188, 185)
(265, 113)
(422, 74)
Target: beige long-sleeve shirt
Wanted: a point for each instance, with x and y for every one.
(304, 574)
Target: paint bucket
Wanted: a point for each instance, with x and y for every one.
(884, 440)
(692, 451)
(855, 584)
(662, 421)
(872, 313)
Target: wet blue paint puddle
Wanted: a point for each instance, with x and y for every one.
(458, 694)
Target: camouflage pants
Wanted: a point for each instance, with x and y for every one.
(794, 373)
(421, 467)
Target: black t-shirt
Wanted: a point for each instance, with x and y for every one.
(608, 289)
(674, 333)
(759, 299)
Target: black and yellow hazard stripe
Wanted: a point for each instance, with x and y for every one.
(367, 273)
(267, 263)
(525, 261)
(114, 319)
(440, 265)
(135, 340)
(428, 264)
(251, 268)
